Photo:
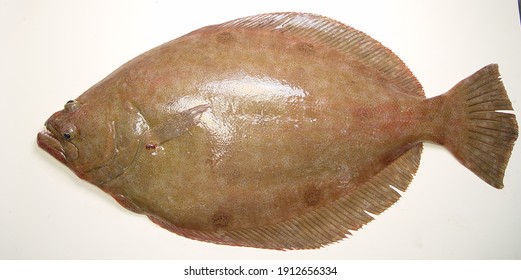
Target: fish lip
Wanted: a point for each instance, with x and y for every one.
(50, 144)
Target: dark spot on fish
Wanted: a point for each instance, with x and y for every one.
(312, 195)
(306, 48)
(151, 146)
(225, 37)
(221, 220)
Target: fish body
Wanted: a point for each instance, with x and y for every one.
(281, 131)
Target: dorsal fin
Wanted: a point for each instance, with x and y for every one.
(326, 224)
(340, 37)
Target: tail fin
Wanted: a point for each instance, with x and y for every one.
(484, 142)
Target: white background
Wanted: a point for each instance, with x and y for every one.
(52, 51)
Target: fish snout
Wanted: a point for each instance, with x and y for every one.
(53, 141)
(50, 144)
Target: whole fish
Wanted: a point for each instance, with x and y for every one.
(280, 131)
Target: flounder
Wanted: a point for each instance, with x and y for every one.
(280, 131)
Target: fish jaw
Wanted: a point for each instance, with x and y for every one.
(50, 144)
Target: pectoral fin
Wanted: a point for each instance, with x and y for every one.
(175, 126)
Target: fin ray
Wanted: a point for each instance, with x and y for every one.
(488, 135)
(339, 36)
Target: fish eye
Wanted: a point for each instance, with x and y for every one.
(71, 106)
(69, 132)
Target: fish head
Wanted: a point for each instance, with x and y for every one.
(82, 136)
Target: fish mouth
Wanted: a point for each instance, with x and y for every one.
(50, 144)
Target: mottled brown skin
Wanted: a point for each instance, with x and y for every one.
(282, 124)
(281, 150)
